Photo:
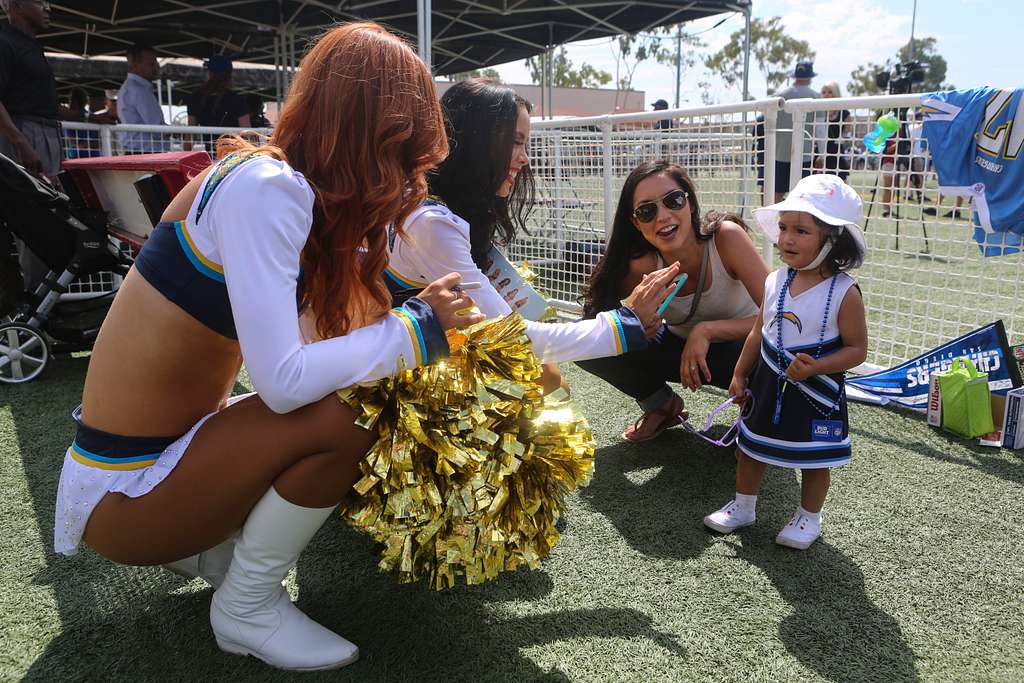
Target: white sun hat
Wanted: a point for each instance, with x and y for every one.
(824, 196)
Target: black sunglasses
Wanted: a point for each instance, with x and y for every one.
(673, 201)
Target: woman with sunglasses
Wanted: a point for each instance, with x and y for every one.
(480, 196)
(658, 221)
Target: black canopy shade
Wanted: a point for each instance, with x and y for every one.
(466, 34)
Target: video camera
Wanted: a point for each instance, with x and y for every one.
(901, 79)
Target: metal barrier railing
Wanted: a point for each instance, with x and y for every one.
(924, 281)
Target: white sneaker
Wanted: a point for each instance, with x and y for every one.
(730, 518)
(801, 532)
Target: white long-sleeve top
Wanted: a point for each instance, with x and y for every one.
(253, 229)
(437, 242)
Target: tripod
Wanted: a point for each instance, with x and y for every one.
(902, 138)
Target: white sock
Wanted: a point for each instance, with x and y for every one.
(745, 502)
(815, 516)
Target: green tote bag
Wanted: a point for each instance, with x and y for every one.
(966, 403)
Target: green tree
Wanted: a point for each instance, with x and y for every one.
(862, 79)
(678, 48)
(771, 51)
(489, 74)
(565, 75)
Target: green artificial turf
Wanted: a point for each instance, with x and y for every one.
(918, 575)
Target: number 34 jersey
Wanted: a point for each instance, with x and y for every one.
(975, 137)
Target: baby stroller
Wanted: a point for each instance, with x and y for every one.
(72, 241)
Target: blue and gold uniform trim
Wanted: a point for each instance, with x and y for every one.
(217, 175)
(400, 281)
(627, 330)
(415, 333)
(105, 451)
(428, 338)
(133, 462)
(214, 271)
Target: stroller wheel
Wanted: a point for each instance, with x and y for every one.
(24, 353)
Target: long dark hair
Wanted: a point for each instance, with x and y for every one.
(603, 292)
(844, 255)
(480, 121)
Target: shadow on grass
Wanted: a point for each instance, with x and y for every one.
(653, 492)
(405, 632)
(119, 623)
(835, 629)
(1004, 464)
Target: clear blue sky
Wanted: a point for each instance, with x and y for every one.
(982, 41)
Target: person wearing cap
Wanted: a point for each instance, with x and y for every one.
(137, 103)
(215, 103)
(789, 378)
(802, 74)
(661, 124)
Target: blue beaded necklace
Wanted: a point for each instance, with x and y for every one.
(781, 361)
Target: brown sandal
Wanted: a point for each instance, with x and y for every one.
(651, 424)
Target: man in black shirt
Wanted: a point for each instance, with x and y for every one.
(29, 112)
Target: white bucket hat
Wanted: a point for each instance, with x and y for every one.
(824, 196)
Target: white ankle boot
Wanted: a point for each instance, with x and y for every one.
(211, 565)
(251, 613)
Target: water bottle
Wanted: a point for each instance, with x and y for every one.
(885, 127)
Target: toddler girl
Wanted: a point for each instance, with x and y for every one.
(810, 330)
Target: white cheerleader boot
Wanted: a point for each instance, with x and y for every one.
(210, 565)
(251, 613)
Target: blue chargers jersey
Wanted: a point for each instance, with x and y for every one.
(975, 137)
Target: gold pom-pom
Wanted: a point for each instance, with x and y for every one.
(472, 465)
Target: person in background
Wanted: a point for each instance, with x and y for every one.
(801, 88)
(661, 124)
(257, 116)
(834, 132)
(79, 143)
(29, 112)
(137, 103)
(215, 103)
(104, 109)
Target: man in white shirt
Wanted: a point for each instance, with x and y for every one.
(136, 102)
(801, 88)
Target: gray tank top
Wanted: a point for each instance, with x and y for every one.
(726, 299)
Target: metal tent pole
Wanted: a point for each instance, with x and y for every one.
(746, 55)
(424, 32)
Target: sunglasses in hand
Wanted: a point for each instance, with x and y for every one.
(729, 437)
(673, 201)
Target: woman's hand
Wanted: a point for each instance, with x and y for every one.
(802, 367)
(450, 304)
(649, 294)
(738, 390)
(693, 366)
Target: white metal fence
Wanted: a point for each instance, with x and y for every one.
(924, 281)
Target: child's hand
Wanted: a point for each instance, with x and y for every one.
(738, 390)
(801, 368)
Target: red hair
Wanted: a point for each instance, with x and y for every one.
(363, 124)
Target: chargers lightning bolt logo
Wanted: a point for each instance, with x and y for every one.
(792, 317)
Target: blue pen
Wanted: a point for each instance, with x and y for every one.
(672, 294)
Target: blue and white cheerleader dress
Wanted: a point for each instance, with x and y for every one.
(798, 424)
